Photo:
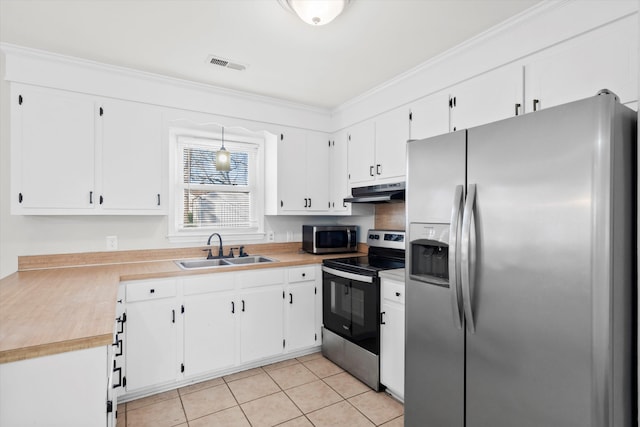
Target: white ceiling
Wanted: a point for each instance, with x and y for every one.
(372, 42)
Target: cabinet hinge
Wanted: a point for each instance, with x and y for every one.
(281, 137)
(329, 205)
(349, 137)
(182, 309)
(282, 294)
(329, 143)
(283, 342)
(124, 381)
(101, 111)
(19, 197)
(182, 367)
(410, 116)
(109, 406)
(19, 99)
(315, 290)
(315, 337)
(281, 203)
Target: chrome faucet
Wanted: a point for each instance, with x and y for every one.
(220, 251)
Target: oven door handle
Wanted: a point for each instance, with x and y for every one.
(347, 275)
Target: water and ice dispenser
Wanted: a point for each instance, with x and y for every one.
(429, 253)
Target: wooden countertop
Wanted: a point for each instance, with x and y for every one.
(52, 307)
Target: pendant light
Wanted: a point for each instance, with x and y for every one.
(223, 157)
(315, 12)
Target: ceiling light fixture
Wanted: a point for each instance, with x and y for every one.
(223, 157)
(316, 12)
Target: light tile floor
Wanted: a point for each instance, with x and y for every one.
(307, 391)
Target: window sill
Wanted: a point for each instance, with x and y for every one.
(201, 236)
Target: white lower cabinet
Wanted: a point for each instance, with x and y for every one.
(185, 329)
(66, 389)
(209, 323)
(151, 351)
(301, 298)
(261, 322)
(392, 336)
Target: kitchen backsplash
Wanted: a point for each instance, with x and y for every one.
(390, 216)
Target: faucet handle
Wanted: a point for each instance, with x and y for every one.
(242, 252)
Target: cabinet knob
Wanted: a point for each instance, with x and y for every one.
(304, 274)
(152, 291)
(397, 294)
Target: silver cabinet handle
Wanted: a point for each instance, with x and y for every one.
(454, 265)
(467, 258)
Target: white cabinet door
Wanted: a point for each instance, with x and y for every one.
(392, 133)
(361, 153)
(392, 348)
(430, 116)
(52, 150)
(261, 322)
(317, 171)
(339, 171)
(151, 354)
(300, 304)
(580, 67)
(392, 336)
(492, 96)
(292, 170)
(209, 332)
(65, 389)
(131, 157)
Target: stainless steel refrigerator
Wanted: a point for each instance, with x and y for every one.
(521, 271)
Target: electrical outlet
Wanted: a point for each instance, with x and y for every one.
(271, 236)
(112, 243)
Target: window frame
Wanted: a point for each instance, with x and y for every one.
(178, 138)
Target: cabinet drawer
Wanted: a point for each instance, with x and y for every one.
(149, 290)
(301, 274)
(202, 284)
(262, 277)
(392, 291)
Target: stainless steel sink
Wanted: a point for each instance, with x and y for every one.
(194, 264)
(252, 259)
(191, 264)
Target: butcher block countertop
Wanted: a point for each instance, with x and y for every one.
(59, 303)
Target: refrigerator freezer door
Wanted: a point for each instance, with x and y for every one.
(529, 360)
(434, 370)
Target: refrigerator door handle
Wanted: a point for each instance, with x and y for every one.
(467, 258)
(454, 265)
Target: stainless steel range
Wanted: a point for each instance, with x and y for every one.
(351, 305)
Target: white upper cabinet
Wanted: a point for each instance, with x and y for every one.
(338, 173)
(580, 67)
(489, 97)
(303, 172)
(53, 150)
(392, 133)
(430, 116)
(361, 152)
(78, 154)
(377, 149)
(131, 166)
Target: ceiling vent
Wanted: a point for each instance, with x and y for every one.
(226, 63)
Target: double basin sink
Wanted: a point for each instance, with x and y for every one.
(194, 264)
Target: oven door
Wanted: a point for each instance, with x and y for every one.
(351, 303)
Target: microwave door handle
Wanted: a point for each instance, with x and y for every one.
(348, 239)
(454, 265)
(467, 258)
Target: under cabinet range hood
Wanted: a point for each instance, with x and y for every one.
(382, 193)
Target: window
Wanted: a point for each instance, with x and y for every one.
(208, 200)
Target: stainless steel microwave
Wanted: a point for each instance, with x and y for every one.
(329, 239)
